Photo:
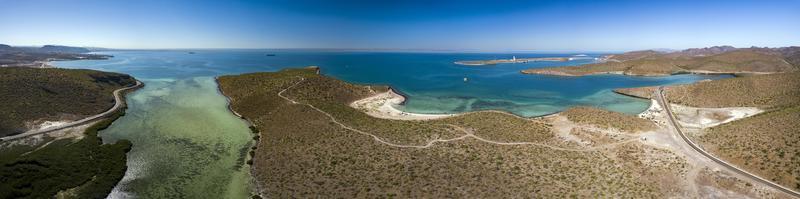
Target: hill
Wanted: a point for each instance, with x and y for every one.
(31, 96)
(767, 144)
(721, 59)
(63, 49)
(311, 143)
(764, 91)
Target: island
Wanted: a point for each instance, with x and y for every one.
(49, 123)
(510, 61)
(711, 60)
(321, 136)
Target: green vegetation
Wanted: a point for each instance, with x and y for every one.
(306, 153)
(650, 63)
(85, 167)
(608, 119)
(31, 94)
(767, 144)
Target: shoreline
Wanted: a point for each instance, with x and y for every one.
(255, 185)
(382, 105)
(510, 61)
(558, 73)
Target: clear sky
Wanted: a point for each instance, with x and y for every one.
(435, 25)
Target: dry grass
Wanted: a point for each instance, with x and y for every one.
(764, 91)
(718, 184)
(608, 119)
(302, 153)
(767, 144)
(650, 64)
(30, 94)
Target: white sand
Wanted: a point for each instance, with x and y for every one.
(50, 124)
(699, 118)
(693, 117)
(653, 112)
(382, 105)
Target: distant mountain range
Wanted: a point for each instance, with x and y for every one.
(11, 56)
(44, 49)
(715, 59)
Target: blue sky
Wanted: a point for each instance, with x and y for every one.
(434, 25)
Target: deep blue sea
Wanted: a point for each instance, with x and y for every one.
(186, 144)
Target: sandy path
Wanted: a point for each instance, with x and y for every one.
(467, 132)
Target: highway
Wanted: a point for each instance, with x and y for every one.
(665, 104)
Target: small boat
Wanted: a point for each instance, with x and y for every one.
(190, 52)
(270, 55)
(465, 79)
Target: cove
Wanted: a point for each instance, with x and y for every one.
(188, 145)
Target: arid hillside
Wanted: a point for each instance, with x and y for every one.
(704, 60)
(33, 95)
(763, 91)
(766, 144)
(313, 144)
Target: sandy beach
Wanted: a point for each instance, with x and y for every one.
(382, 105)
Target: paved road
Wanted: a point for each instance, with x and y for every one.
(117, 104)
(663, 102)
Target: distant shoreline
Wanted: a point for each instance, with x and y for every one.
(510, 61)
(562, 73)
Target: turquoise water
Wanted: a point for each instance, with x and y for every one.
(186, 143)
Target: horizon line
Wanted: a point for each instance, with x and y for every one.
(95, 49)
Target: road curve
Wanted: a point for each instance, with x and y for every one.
(117, 104)
(663, 102)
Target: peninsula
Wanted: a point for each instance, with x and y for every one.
(510, 61)
(322, 136)
(712, 60)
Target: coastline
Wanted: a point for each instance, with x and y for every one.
(382, 105)
(510, 61)
(255, 185)
(554, 71)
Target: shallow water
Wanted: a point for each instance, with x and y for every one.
(187, 144)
